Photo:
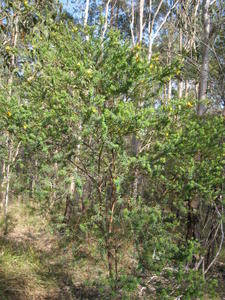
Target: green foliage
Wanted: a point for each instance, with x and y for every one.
(77, 109)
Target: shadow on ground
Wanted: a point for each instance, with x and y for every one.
(34, 265)
(49, 279)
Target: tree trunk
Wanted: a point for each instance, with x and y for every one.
(150, 32)
(106, 19)
(6, 198)
(69, 202)
(186, 88)
(141, 15)
(150, 50)
(132, 23)
(169, 62)
(204, 72)
(2, 184)
(180, 83)
(33, 179)
(135, 153)
(6, 185)
(86, 13)
(192, 221)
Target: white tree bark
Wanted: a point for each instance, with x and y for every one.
(141, 16)
(86, 13)
(150, 26)
(186, 88)
(6, 197)
(194, 22)
(106, 19)
(150, 31)
(204, 73)
(132, 23)
(180, 89)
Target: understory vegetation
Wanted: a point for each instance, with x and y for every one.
(111, 164)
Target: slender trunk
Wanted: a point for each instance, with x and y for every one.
(204, 72)
(135, 185)
(6, 185)
(169, 62)
(132, 23)
(110, 217)
(193, 37)
(33, 180)
(203, 82)
(169, 89)
(186, 88)
(135, 153)
(141, 15)
(55, 182)
(110, 262)
(86, 13)
(192, 221)
(2, 184)
(72, 186)
(180, 89)
(116, 263)
(196, 90)
(69, 202)
(150, 32)
(151, 24)
(150, 50)
(106, 19)
(180, 82)
(6, 198)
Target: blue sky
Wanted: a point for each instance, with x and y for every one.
(67, 5)
(74, 7)
(70, 6)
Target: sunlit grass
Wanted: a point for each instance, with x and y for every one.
(23, 268)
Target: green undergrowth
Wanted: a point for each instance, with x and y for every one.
(38, 263)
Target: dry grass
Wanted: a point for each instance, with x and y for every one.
(35, 264)
(22, 271)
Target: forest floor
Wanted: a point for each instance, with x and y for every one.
(37, 264)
